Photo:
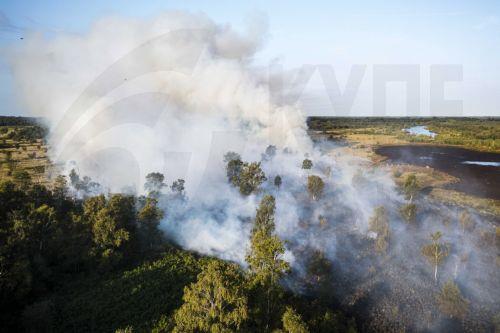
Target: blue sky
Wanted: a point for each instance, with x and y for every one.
(340, 33)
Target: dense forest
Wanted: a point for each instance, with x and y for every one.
(101, 264)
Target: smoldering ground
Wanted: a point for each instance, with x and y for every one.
(186, 94)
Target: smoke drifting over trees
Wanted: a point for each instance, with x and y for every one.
(176, 101)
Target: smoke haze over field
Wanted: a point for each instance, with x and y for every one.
(172, 95)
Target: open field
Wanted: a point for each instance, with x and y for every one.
(474, 133)
(362, 136)
(23, 151)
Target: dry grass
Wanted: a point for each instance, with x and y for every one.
(24, 156)
(482, 205)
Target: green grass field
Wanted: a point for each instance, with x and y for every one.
(474, 133)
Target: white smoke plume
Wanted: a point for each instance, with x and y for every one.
(172, 81)
(173, 94)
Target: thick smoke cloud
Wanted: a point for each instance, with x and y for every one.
(172, 81)
(173, 94)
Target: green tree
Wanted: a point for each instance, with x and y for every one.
(22, 178)
(154, 183)
(251, 177)
(178, 188)
(246, 176)
(408, 212)
(234, 165)
(315, 186)
(293, 323)
(435, 252)
(149, 217)
(307, 164)
(328, 321)
(410, 187)
(60, 188)
(113, 227)
(379, 224)
(36, 228)
(265, 260)
(451, 302)
(216, 303)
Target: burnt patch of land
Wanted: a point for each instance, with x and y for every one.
(477, 171)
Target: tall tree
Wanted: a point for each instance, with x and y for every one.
(410, 187)
(154, 183)
(233, 167)
(315, 186)
(216, 302)
(113, 227)
(251, 177)
(292, 322)
(265, 260)
(178, 188)
(435, 252)
(149, 217)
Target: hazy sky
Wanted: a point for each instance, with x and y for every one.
(338, 33)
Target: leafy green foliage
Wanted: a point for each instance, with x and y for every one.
(137, 298)
(215, 303)
(149, 217)
(293, 323)
(410, 187)
(265, 260)
(315, 186)
(97, 263)
(246, 176)
(46, 238)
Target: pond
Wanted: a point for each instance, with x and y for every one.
(419, 130)
(479, 172)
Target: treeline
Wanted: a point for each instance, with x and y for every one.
(26, 133)
(74, 260)
(477, 133)
(18, 121)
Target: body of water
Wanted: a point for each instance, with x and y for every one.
(419, 130)
(479, 172)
